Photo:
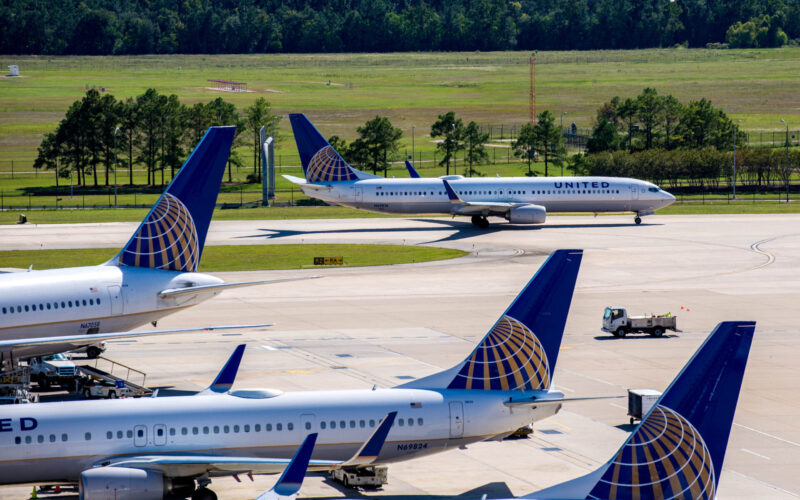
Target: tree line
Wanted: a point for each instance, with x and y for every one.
(152, 130)
(97, 27)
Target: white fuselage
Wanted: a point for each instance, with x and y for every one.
(556, 194)
(89, 300)
(57, 441)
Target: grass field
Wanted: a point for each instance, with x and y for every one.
(246, 257)
(341, 91)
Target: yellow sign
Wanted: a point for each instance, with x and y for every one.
(328, 261)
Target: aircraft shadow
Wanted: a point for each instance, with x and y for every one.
(635, 337)
(491, 490)
(463, 229)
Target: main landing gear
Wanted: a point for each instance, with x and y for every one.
(480, 221)
(637, 220)
(204, 493)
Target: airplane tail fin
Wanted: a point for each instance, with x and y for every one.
(174, 232)
(227, 375)
(321, 163)
(521, 349)
(412, 172)
(678, 449)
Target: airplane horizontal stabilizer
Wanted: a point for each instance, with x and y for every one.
(547, 401)
(190, 290)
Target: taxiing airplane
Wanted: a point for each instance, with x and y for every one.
(520, 200)
(166, 445)
(155, 274)
(677, 451)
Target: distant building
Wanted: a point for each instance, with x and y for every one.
(13, 70)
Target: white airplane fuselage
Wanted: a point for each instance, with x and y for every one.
(555, 194)
(91, 300)
(58, 441)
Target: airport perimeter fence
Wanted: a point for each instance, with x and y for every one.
(251, 196)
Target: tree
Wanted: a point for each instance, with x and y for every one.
(672, 110)
(129, 123)
(649, 111)
(548, 139)
(474, 150)
(451, 129)
(223, 113)
(258, 115)
(378, 141)
(148, 140)
(627, 111)
(524, 146)
(604, 137)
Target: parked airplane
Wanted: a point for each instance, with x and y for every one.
(520, 200)
(45, 312)
(677, 451)
(168, 444)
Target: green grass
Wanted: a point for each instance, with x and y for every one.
(245, 257)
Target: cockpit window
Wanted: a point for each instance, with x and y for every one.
(653, 189)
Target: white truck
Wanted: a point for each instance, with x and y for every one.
(373, 476)
(617, 322)
(52, 370)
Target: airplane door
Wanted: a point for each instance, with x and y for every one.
(634, 192)
(307, 420)
(140, 435)
(359, 194)
(456, 419)
(115, 296)
(159, 434)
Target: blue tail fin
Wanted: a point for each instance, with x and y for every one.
(227, 375)
(412, 172)
(292, 477)
(678, 449)
(321, 163)
(521, 349)
(174, 232)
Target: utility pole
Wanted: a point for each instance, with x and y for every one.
(413, 163)
(735, 133)
(115, 167)
(787, 170)
(532, 104)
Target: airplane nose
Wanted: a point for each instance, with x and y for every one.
(669, 198)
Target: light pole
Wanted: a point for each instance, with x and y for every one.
(735, 133)
(786, 167)
(115, 166)
(412, 147)
(562, 135)
(455, 143)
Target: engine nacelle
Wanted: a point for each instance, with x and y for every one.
(121, 483)
(527, 214)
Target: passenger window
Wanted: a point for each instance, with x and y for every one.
(4, 310)
(159, 432)
(64, 437)
(216, 429)
(371, 423)
(41, 307)
(40, 438)
(410, 422)
(69, 303)
(333, 424)
(400, 422)
(352, 424)
(91, 302)
(269, 427)
(130, 434)
(28, 440)
(206, 430)
(52, 438)
(87, 436)
(257, 428)
(195, 431)
(322, 425)
(419, 421)
(278, 427)
(235, 428)
(26, 308)
(172, 431)
(97, 301)
(342, 424)
(289, 426)
(109, 435)
(17, 440)
(84, 302)
(362, 424)
(184, 431)
(247, 427)
(140, 433)
(48, 307)
(226, 429)
(308, 426)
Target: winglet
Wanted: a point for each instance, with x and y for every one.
(412, 172)
(451, 192)
(292, 478)
(227, 375)
(370, 450)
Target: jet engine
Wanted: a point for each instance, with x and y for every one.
(527, 214)
(121, 483)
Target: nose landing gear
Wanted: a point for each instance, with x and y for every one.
(637, 220)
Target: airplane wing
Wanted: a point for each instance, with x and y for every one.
(302, 182)
(189, 290)
(461, 207)
(196, 465)
(537, 402)
(24, 348)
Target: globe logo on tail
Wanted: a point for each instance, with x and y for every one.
(666, 458)
(327, 166)
(167, 239)
(511, 357)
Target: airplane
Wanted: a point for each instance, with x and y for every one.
(520, 200)
(175, 442)
(677, 450)
(155, 273)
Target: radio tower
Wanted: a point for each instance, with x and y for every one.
(533, 91)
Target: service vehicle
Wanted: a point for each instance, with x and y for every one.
(55, 369)
(374, 477)
(617, 322)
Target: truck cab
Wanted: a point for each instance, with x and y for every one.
(614, 317)
(53, 369)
